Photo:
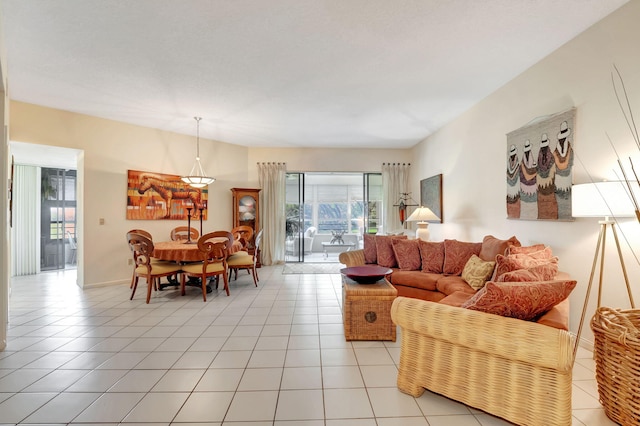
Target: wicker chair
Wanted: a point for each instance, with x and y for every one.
(514, 369)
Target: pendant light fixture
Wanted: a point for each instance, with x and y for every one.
(197, 177)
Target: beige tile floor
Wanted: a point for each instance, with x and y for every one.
(271, 355)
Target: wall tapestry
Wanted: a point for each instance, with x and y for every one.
(539, 168)
(431, 195)
(158, 196)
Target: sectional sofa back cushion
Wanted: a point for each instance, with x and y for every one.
(432, 254)
(456, 255)
(384, 247)
(407, 253)
(524, 300)
(370, 250)
(492, 246)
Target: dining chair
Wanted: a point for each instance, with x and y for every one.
(243, 233)
(142, 247)
(180, 233)
(244, 260)
(153, 259)
(215, 248)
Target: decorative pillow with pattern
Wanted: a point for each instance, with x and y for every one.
(456, 255)
(525, 301)
(526, 249)
(477, 271)
(370, 250)
(432, 254)
(407, 254)
(384, 247)
(492, 246)
(514, 262)
(544, 272)
(545, 253)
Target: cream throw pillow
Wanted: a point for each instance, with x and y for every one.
(476, 272)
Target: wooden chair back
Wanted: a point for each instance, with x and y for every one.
(142, 248)
(180, 233)
(244, 234)
(142, 232)
(215, 246)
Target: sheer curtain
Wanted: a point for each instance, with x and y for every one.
(272, 181)
(395, 181)
(25, 258)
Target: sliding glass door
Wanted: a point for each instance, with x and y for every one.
(328, 212)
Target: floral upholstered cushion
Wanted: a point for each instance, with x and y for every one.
(525, 301)
(432, 254)
(370, 250)
(477, 271)
(456, 255)
(407, 254)
(384, 247)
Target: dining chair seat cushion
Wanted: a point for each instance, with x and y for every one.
(238, 259)
(196, 268)
(159, 268)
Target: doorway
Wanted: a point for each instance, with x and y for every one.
(327, 213)
(44, 236)
(58, 247)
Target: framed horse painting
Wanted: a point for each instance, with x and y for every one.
(152, 196)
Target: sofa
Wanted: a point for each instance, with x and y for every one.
(499, 346)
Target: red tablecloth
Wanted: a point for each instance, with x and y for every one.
(178, 251)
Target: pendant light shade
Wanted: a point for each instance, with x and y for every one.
(197, 178)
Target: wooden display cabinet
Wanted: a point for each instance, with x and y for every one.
(246, 211)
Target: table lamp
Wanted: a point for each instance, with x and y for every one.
(608, 200)
(421, 215)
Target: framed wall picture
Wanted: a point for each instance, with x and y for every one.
(431, 195)
(152, 196)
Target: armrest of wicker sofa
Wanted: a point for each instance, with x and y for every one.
(352, 258)
(509, 338)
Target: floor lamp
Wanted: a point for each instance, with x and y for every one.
(608, 200)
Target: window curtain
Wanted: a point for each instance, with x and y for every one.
(25, 234)
(272, 181)
(395, 182)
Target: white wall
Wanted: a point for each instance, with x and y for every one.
(110, 149)
(471, 153)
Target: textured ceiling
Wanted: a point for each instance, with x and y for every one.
(282, 73)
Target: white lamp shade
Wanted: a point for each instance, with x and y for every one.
(422, 214)
(603, 199)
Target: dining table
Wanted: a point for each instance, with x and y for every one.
(183, 251)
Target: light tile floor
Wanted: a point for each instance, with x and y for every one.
(271, 355)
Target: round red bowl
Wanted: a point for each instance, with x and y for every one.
(366, 274)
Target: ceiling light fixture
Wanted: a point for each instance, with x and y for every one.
(197, 178)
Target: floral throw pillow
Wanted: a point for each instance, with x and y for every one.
(384, 247)
(526, 249)
(370, 251)
(525, 301)
(432, 254)
(544, 272)
(477, 271)
(456, 255)
(407, 254)
(514, 262)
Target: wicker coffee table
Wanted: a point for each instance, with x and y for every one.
(366, 310)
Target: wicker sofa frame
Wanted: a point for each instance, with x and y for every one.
(518, 370)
